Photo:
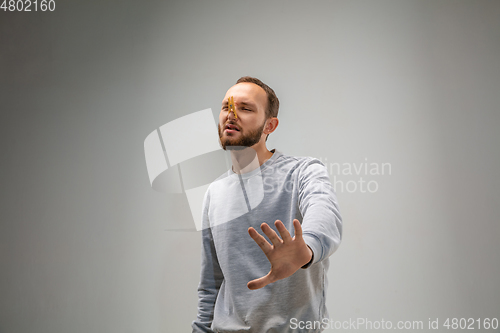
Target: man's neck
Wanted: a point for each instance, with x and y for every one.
(250, 158)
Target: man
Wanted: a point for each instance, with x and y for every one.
(249, 284)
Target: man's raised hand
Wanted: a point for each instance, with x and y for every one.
(286, 254)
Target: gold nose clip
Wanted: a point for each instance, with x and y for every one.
(232, 108)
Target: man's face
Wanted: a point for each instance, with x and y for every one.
(250, 103)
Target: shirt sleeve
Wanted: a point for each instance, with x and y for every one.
(211, 276)
(321, 223)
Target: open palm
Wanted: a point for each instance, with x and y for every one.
(286, 254)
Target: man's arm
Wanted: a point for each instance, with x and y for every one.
(321, 223)
(316, 239)
(211, 277)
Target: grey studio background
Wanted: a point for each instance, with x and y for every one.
(83, 239)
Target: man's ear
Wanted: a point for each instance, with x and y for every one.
(271, 124)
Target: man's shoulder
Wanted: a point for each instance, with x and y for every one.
(298, 161)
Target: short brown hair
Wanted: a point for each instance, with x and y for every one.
(273, 103)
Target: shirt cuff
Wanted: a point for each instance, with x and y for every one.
(315, 246)
(310, 261)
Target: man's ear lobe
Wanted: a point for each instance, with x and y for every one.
(272, 124)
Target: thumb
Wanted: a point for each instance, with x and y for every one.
(260, 282)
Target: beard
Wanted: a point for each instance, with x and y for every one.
(244, 141)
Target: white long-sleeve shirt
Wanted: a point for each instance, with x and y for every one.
(283, 188)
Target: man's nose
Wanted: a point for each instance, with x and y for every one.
(230, 115)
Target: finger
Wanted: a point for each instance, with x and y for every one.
(260, 240)
(260, 282)
(285, 235)
(271, 234)
(298, 229)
